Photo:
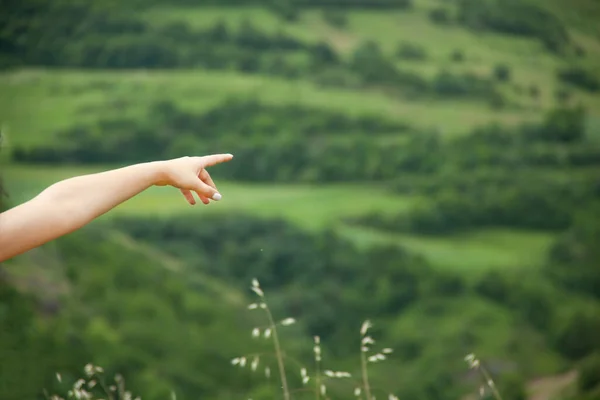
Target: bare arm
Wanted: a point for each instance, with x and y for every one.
(70, 204)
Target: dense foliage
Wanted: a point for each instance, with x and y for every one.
(515, 17)
(113, 37)
(130, 306)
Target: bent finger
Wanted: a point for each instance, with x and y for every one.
(204, 199)
(188, 196)
(205, 176)
(202, 189)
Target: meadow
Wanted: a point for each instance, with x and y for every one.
(317, 207)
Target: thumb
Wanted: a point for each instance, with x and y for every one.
(202, 189)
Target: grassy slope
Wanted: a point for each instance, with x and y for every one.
(35, 104)
(530, 63)
(317, 207)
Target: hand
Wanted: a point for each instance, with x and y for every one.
(189, 174)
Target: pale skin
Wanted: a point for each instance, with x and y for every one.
(72, 203)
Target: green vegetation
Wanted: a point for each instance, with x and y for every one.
(431, 166)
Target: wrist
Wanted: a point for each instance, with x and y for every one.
(158, 173)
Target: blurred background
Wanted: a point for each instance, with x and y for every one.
(429, 165)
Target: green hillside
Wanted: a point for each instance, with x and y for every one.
(433, 166)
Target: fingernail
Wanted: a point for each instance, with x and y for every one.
(216, 196)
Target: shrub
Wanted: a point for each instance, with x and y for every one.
(448, 84)
(323, 55)
(457, 56)
(534, 91)
(579, 77)
(589, 373)
(285, 9)
(580, 51)
(577, 337)
(410, 51)
(562, 95)
(440, 16)
(515, 17)
(502, 72)
(494, 286)
(512, 387)
(335, 18)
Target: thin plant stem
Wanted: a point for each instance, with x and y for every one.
(490, 383)
(363, 366)
(318, 379)
(284, 384)
(104, 387)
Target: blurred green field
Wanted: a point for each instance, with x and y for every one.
(36, 104)
(472, 252)
(528, 60)
(316, 208)
(312, 207)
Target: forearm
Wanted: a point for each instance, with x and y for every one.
(83, 198)
(70, 204)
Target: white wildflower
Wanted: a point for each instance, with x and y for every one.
(243, 362)
(392, 397)
(255, 283)
(255, 362)
(364, 349)
(78, 384)
(58, 377)
(368, 340)
(387, 350)
(317, 340)
(341, 374)
(357, 392)
(258, 291)
(91, 384)
(267, 333)
(89, 369)
(365, 327)
(323, 390)
(288, 321)
(373, 358)
(263, 305)
(329, 373)
(303, 372)
(253, 306)
(255, 332)
(267, 372)
(235, 361)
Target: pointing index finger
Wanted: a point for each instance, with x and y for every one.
(214, 159)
